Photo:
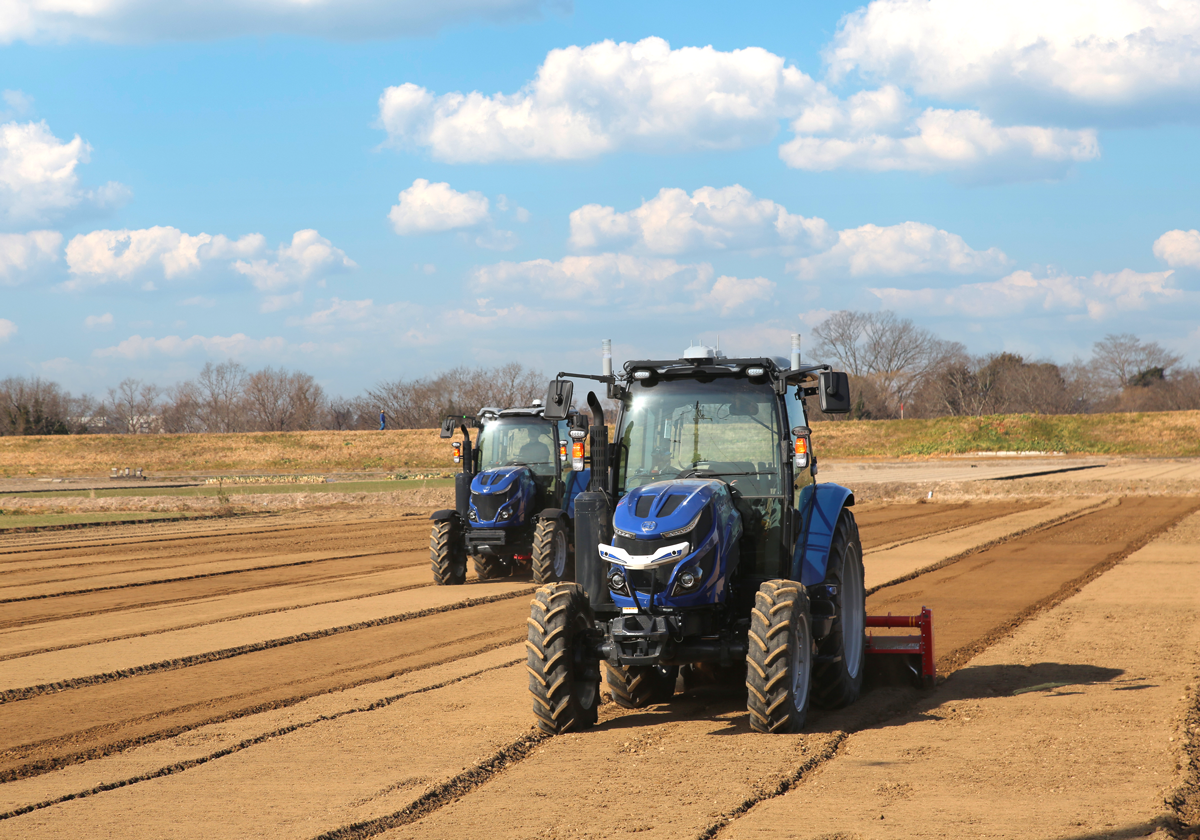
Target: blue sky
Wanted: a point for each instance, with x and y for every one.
(368, 190)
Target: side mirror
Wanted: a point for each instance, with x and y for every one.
(834, 388)
(558, 399)
(447, 427)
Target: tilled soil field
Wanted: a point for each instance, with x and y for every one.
(299, 676)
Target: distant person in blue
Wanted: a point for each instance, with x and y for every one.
(382, 421)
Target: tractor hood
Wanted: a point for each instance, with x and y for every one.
(501, 497)
(654, 510)
(496, 481)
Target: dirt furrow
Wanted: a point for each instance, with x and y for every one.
(188, 613)
(975, 602)
(317, 572)
(261, 738)
(265, 538)
(575, 785)
(52, 729)
(897, 524)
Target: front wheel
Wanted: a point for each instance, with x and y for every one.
(779, 654)
(638, 686)
(446, 554)
(841, 655)
(564, 672)
(488, 567)
(551, 552)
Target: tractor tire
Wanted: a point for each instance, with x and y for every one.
(841, 655)
(779, 657)
(449, 561)
(639, 686)
(552, 561)
(564, 676)
(488, 568)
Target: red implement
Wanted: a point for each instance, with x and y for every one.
(911, 644)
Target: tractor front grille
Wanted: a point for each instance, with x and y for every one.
(488, 506)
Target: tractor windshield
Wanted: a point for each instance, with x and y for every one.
(518, 440)
(727, 428)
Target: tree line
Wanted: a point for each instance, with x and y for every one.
(227, 397)
(897, 369)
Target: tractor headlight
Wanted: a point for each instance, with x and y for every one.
(507, 512)
(688, 527)
(692, 576)
(471, 514)
(617, 582)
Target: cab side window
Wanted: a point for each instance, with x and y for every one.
(795, 408)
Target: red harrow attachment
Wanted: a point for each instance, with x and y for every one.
(907, 645)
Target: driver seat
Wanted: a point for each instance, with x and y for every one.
(534, 452)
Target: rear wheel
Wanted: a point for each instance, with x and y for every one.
(551, 552)
(638, 686)
(448, 559)
(779, 657)
(839, 666)
(564, 675)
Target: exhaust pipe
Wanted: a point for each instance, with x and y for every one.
(795, 351)
(606, 354)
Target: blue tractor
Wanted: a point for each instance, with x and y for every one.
(705, 543)
(514, 499)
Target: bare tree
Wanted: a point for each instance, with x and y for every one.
(278, 401)
(1119, 359)
(219, 390)
(893, 354)
(37, 407)
(421, 403)
(133, 407)
(181, 409)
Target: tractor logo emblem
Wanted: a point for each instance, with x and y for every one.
(649, 525)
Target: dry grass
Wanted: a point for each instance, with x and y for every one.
(420, 499)
(1162, 434)
(267, 452)
(1158, 434)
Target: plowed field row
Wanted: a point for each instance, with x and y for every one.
(108, 710)
(420, 727)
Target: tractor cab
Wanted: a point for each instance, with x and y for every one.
(514, 497)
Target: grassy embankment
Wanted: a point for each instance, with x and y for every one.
(420, 453)
(1155, 435)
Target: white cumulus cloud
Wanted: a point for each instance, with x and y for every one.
(1179, 248)
(308, 254)
(107, 256)
(710, 219)
(877, 130)
(98, 322)
(233, 346)
(37, 175)
(585, 101)
(148, 20)
(7, 329)
(907, 248)
(20, 252)
(1118, 55)
(645, 284)
(432, 208)
(1022, 292)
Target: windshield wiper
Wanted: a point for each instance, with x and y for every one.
(697, 473)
